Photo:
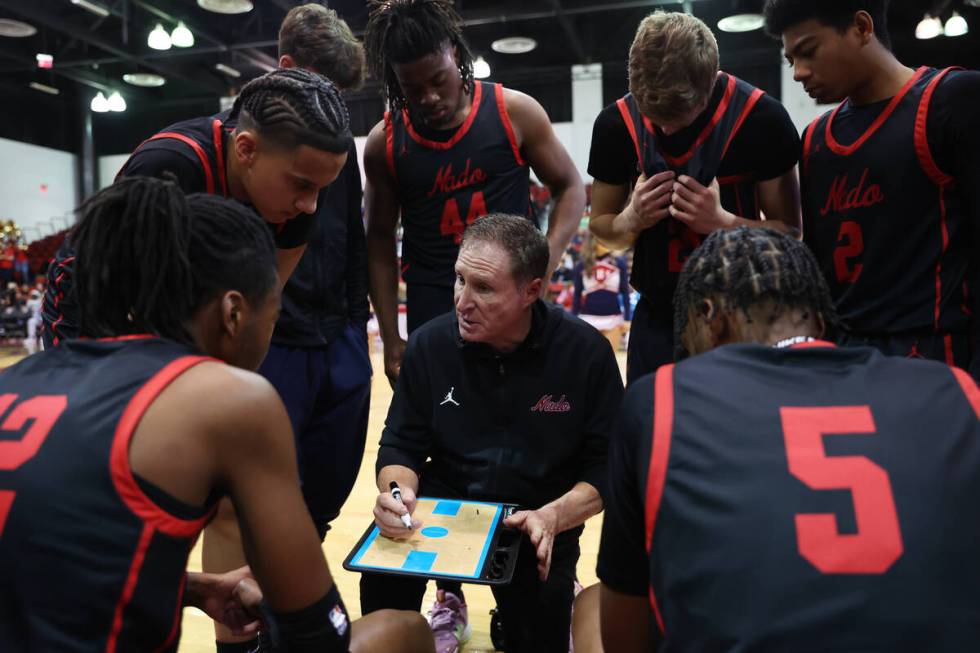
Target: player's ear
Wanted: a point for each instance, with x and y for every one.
(821, 325)
(246, 146)
(722, 325)
(233, 309)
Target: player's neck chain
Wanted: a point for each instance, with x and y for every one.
(795, 340)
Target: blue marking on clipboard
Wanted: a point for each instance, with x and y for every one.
(447, 508)
(419, 561)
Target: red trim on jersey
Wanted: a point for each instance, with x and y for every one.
(846, 150)
(807, 141)
(390, 146)
(928, 164)
(175, 627)
(969, 387)
(944, 231)
(6, 502)
(131, 336)
(122, 474)
(735, 179)
(460, 133)
(663, 425)
(624, 111)
(129, 587)
(948, 347)
(219, 154)
(194, 145)
(706, 132)
(813, 343)
(498, 92)
(752, 101)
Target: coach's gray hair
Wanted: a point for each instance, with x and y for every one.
(527, 246)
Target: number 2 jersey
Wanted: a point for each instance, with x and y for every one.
(88, 560)
(889, 228)
(799, 500)
(445, 185)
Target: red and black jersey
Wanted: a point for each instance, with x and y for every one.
(811, 498)
(194, 152)
(444, 185)
(660, 251)
(88, 562)
(888, 227)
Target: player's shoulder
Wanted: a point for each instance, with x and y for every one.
(960, 88)
(435, 335)
(221, 395)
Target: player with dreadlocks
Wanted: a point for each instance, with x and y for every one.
(451, 149)
(121, 463)
(285, 139)
(721, 531)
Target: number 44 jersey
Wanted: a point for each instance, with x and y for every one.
(800, 500)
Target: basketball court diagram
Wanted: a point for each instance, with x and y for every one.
(454, 540)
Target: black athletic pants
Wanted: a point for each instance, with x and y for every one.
(651, 340)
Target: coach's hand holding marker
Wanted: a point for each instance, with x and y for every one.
(397, 494)
(393, 512)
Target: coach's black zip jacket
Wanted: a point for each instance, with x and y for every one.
(522, 427)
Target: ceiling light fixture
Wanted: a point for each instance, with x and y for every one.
(91, 7)
(158, 38)
(228, 70)
(226, 6)
(741, 23)
(928, 28)
(481, 69)
(181, 36)
(44, 88)
(16, 29)
(99, 103)
(146, 80)
(956, 25)
(45, 61)
(116, 102)
(514, 45)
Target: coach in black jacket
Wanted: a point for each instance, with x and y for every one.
(511, 400)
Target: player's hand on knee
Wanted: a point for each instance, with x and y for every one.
(650, 201)
(393, 352)
(388, 514)
(541, 526)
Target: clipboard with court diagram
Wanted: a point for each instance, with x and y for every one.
(459, 540)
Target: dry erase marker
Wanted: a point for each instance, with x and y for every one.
(397, 493)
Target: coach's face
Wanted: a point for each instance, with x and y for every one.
(823, 57)
(491, 307)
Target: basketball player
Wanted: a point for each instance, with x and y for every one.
(287, 138)
(711, 152)
(318, 359)
(118, 444)
(450, 150)
(890, 179)
(780, 494)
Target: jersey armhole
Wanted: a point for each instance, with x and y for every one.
(922, 149)
(749, 105)
(808, 144)
(498, 91)
(136, 500)
(390, 145)
(663, 426)
(969, 387)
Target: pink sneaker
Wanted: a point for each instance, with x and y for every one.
(450, 623)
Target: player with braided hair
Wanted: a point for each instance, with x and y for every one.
(286, 139)
(450, 150)
(734, 523)
(121, 464)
